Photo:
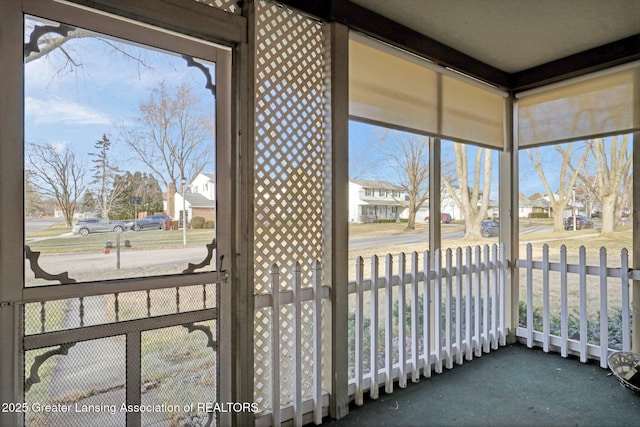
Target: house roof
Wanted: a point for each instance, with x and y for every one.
(383, 203)
(382, 185)
(199, 201)
(526, 202)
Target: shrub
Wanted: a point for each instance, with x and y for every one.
(197, 222)
(538, 215)
(210, 224)
(384, 220)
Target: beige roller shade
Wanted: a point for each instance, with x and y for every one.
(606, 103)
(393, 87)
(471, 113)
(389, 89)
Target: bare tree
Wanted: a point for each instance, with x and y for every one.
(408, 155)
(566, 180)
(612, 170)
(33, 203)
(473, 201)
(172, 137)
(59, 174)
(44, 40)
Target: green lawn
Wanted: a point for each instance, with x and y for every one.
(59, 244)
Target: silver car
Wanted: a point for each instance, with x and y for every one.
(87, 226)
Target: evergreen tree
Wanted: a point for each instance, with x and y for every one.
(142, 187)
(88, 202)
(104, 175)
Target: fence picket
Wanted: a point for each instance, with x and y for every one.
(458, 306)
(478, 336)
(297, 307)
(402, 325)
(317, 343)
(448, 301)
(468, 326)
(415, 333)
(545, 298)
(494, 297)
(437, 309)
(583, 303)
(604, 312)
(373, 328)
(485, 313)
(503, 293)
(275, 344)
(388, 326)
(529, 295)
(426, 315)
(564, 312)
(359, 332)
(624, 282)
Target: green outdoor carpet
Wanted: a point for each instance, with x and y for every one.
(513, 386)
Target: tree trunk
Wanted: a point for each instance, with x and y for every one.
(558, 220)
(608, 213)
(171, 199)
(411, 222)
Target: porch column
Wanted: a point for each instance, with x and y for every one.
(11, 199)
(635, 305)
(242, 281)
(338, 68)
(509, 218)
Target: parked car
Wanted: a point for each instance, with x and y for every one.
(581, 222)
(490, 228)
(149, 222)
(444, 217)
(87, 226)
(596, 214)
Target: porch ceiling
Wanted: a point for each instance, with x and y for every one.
(515, 35)
(513, 44)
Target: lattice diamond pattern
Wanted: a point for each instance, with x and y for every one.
(289, 143)
(230, 6)
(289, 179)
(262, 358)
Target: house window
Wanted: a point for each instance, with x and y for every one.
(382, 193)
(368, 192)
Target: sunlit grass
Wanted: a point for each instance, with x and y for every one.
(138, 240)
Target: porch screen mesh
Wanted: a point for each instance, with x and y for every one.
(389, 86)
(603, 104)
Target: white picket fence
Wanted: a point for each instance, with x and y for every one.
(581, 279)
(416, 314)
(453, 308)
(308, 405)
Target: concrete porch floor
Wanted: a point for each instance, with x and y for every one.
(513, 386)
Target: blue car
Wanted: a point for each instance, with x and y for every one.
(490, 228)
(149, 222)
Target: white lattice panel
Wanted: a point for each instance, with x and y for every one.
(262, 358)
(226, 5)
(289, 177)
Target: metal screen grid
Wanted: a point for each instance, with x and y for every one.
(178, 372)
(56, 315)
(83, 383)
